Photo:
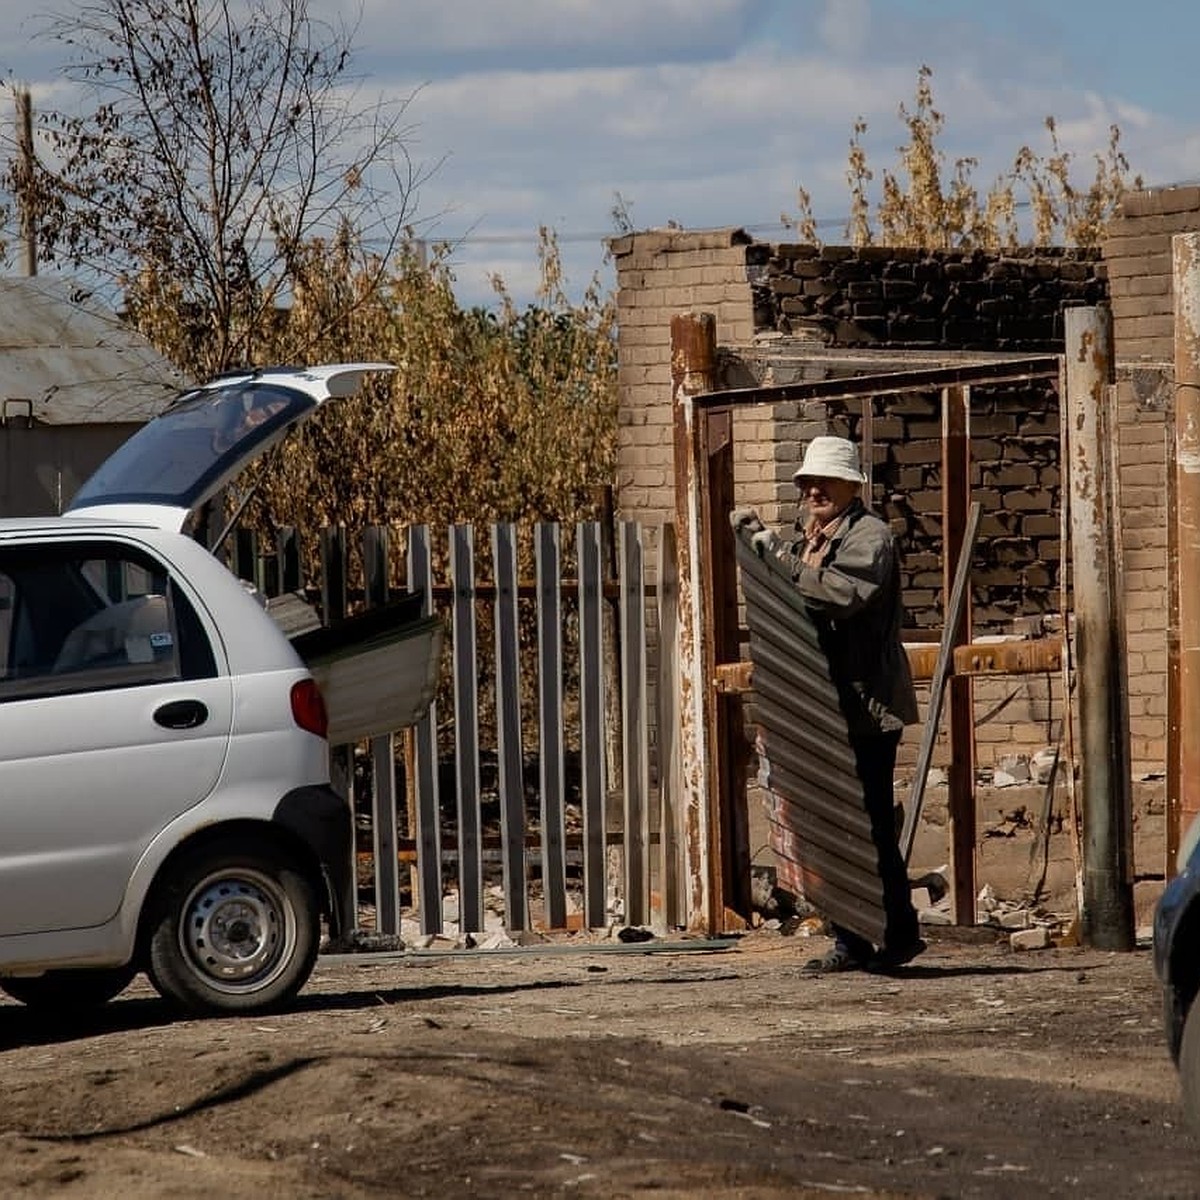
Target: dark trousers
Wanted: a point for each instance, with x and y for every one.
(876, 762)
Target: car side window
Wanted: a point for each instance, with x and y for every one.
(6, 620)
(92, 616)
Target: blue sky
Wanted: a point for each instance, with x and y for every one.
(711, 112)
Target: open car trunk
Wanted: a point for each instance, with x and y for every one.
(378, 671)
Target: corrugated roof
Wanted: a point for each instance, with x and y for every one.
(820, 830)
(67, 360)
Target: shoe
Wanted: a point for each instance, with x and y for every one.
(835, 960)
(888, 959)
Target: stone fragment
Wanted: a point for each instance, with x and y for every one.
(1037, 938)
(1042, 763)
(934, 916)
(1018, 918)
(1015, 767)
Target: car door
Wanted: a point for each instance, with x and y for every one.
(115, 718)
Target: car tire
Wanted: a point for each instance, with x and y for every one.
(1189, 1066)
(235, 930)
(68, 992)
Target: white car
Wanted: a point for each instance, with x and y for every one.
(164, 783)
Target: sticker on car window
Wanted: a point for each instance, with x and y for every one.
(159, 640)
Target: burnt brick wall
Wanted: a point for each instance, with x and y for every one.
(909, 300)
(1014, 476)
(767, 296)
(920, 299)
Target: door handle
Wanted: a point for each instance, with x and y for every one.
(181, 714)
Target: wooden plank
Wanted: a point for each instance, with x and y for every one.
(591, 720)
(550, 724)
(384, 815)
(635, 761)
(429, 861)
(670, 823)
(960, 776)
(962, 579)
(466, 728)
(508, 726)
(729, 751)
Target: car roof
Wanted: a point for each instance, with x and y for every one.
(12, 527)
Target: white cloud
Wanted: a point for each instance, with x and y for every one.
(487, 27)
(845, 25)
(708, 112)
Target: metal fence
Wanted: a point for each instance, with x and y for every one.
(530, 786)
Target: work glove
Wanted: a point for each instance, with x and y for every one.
(763, 542)
(745, 519)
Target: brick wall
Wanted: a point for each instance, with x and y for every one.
(1137, 249)
(765, 297)
(946, 302)
(660, 274)
(920, 299)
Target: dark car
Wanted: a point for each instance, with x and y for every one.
(1177, 962)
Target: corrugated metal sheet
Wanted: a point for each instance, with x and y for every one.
(820, 830)
(66, 360)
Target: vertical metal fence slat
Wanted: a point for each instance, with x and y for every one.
(429, 839)
(550, 720)
(384, 823)
(287, 559)
(508, 727)
(591, 721)
(635, 763)
(466, 728)
(668, 716)
(244, 556)
(341, 758)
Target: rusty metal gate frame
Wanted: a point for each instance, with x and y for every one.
(712, 751)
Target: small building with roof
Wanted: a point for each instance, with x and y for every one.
(75, 382)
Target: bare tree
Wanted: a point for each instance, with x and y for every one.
(223, 137)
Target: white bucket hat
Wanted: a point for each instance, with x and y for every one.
(830, 458)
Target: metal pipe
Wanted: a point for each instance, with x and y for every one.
(1104, 740)
(1185, 565)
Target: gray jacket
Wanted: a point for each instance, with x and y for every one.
(854, 598)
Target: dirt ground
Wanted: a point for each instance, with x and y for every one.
(599, 1069)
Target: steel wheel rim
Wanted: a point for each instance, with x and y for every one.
(238, 930)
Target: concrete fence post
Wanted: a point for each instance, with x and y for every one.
(1186, 518)
(1100, 651)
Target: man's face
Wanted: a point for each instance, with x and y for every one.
(826, 497)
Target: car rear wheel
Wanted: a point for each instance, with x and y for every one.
(68, 992)
(235, 930)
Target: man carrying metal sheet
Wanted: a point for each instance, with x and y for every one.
(845, 566)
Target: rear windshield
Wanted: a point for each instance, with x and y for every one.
(181, 456)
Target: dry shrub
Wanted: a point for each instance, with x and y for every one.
(919, 207)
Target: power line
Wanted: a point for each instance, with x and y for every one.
(532, 239)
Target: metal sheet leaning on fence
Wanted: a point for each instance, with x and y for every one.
(832, 693)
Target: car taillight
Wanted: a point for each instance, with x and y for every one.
(308, 707)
